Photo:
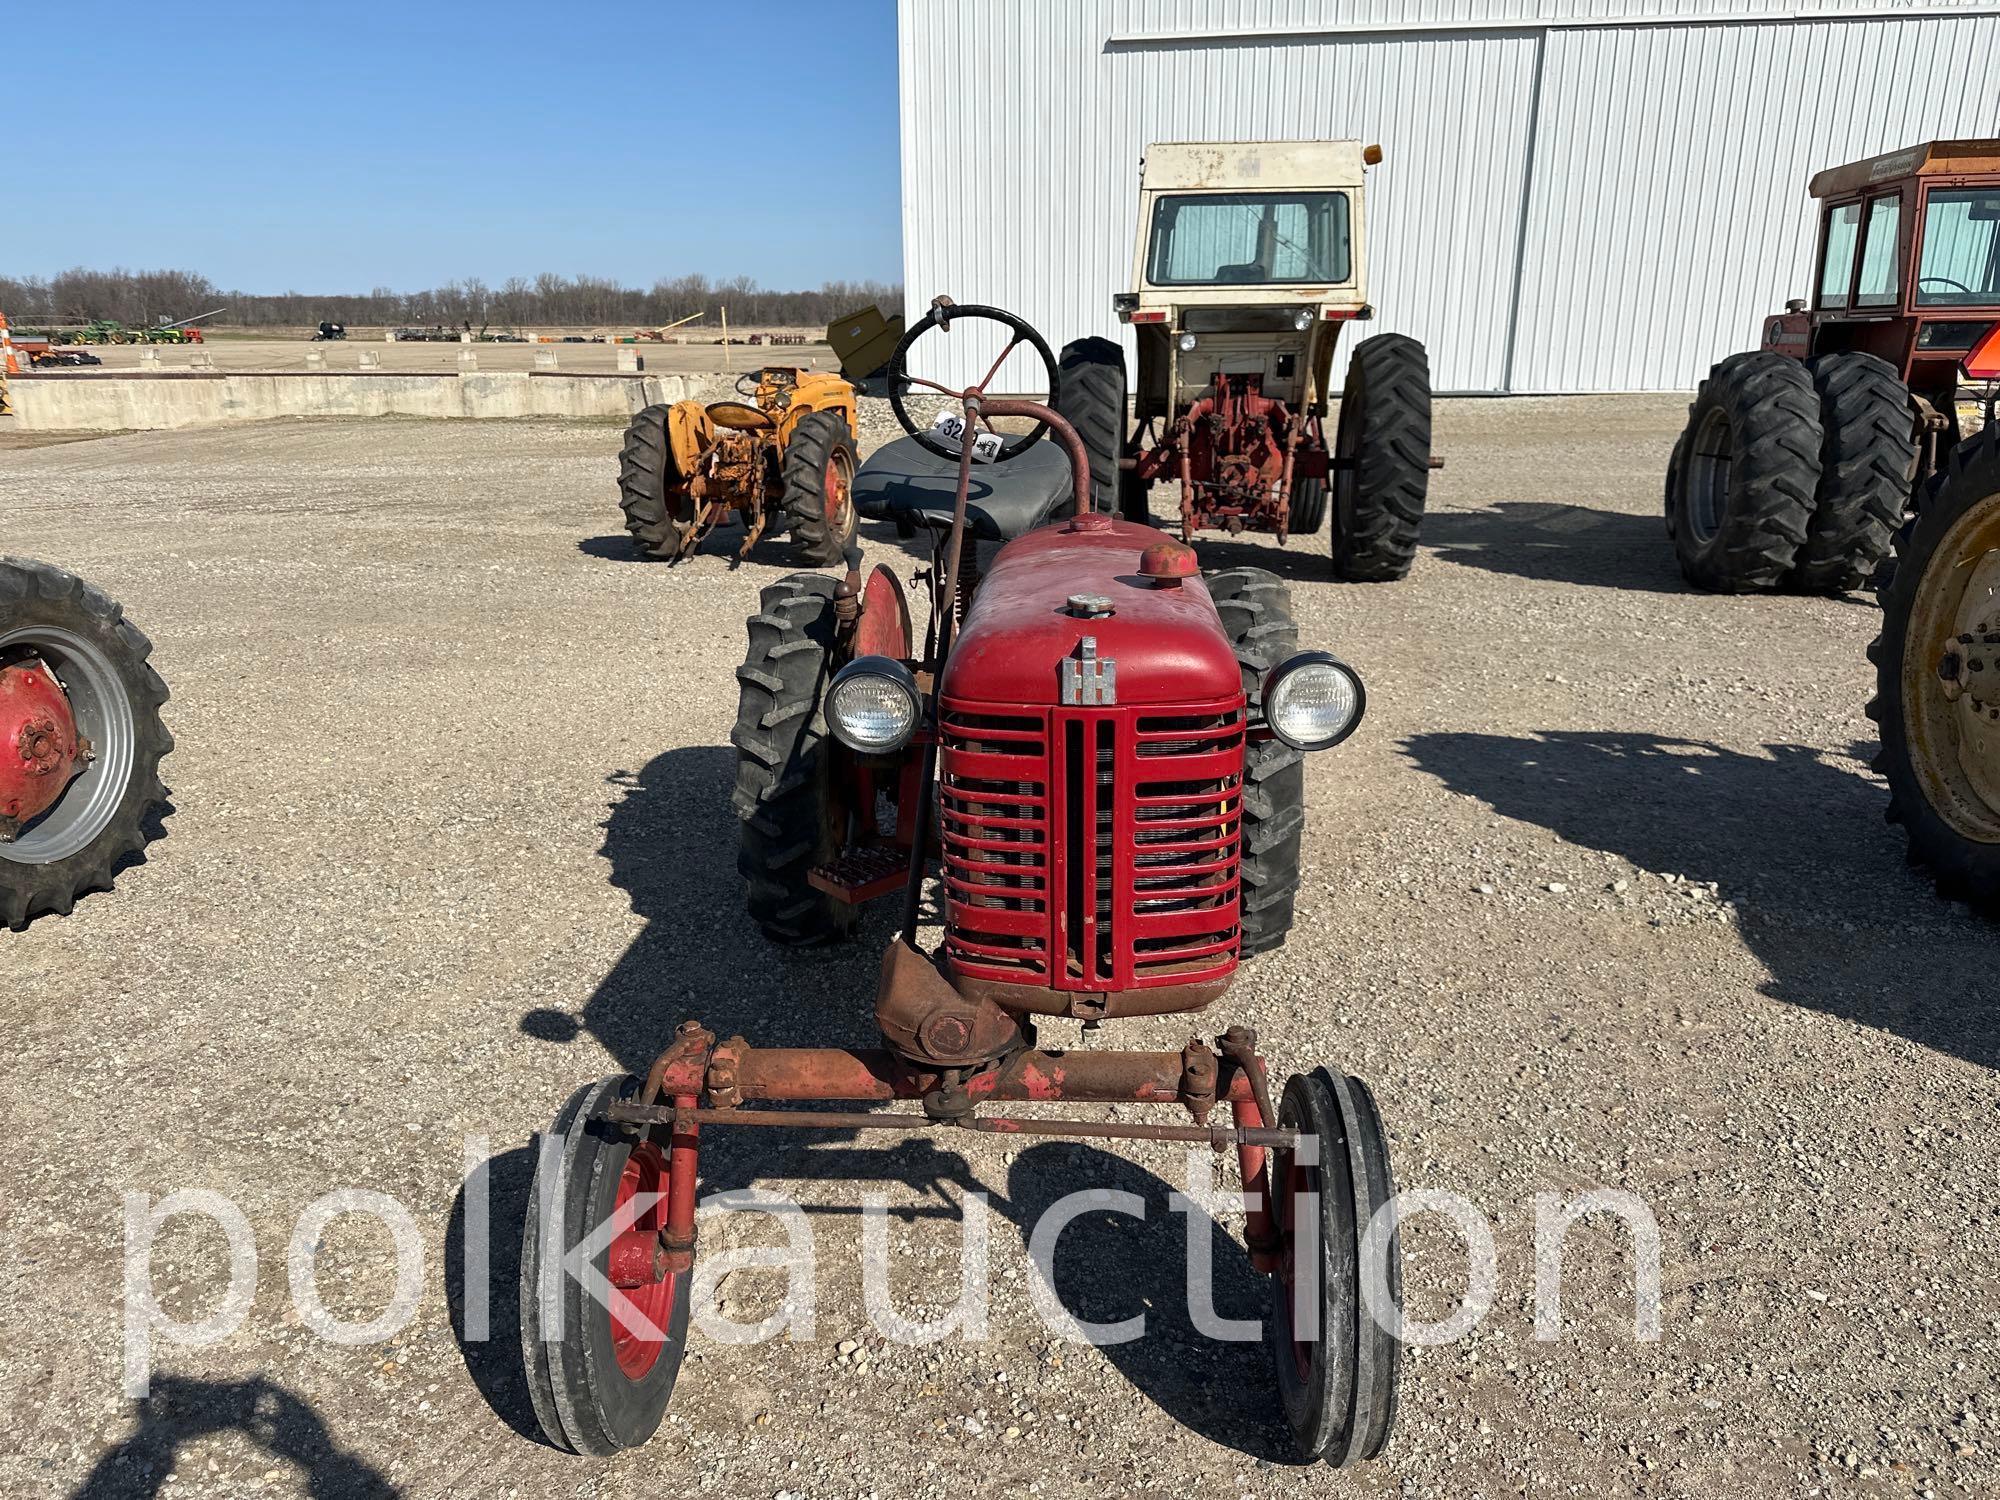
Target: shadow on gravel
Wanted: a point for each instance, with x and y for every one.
(179, 1412)
(1796, 836)
(486, 1321)
(724, 542)
(1552, 543)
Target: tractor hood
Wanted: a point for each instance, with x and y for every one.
(1164, 636)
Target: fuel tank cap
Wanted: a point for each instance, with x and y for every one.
(1089, 606)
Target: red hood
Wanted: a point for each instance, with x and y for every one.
(1167, 642)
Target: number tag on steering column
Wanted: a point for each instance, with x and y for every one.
(950, 426)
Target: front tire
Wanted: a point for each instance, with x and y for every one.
(647, 476)
(1383, 443)
(819, 488)
(1256, 610)
(598, 1380)
(1941, 734)
(1867, 456)
(100, 660)
(1308, 511)
(784, 765)
(1744, 474)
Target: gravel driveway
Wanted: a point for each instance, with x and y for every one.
(1600, 897)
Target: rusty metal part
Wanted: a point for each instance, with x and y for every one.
(1094, 1005)
(930, 1022)
(1220, 1137)
(723, 1060)
(41, 751)
(1199, 1069)
(683, 1158)
(1239, 1046)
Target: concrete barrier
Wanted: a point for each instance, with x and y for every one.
(122, 402)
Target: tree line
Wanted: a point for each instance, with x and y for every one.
(151, 297)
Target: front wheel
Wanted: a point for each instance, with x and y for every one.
(1744, 474)
(80, 717)
(1337, 1299)
(1937, 665)
(1382, 452)
(602, 1336)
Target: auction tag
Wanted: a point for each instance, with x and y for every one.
(950, 426)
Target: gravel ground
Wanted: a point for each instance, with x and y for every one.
(1599, 897)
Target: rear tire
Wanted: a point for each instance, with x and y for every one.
(646, 472)
(1744, 474)
(1090, 393)
(101, 660)
(819, 488)
(784, 764)
(1867, 456)
(1385, 437)
(1941, 756)
(1256, 610)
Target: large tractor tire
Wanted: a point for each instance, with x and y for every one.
(1090, 393)
(646, 472)
(819, 488)
(1937, 677)
(1383, 446)
(104, 691)
(1741, 484)
(1256, 610)
(784, 769)
(1867, 456)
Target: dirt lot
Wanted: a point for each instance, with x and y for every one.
(1599, 897)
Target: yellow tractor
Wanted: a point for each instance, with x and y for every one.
(784, 457)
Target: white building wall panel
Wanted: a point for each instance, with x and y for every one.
(1578, 195)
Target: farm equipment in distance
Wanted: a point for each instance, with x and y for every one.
(1249, 258)
(83, 739)
(329, 333)
(784, 458)
(1867, 421)
(1105, 751)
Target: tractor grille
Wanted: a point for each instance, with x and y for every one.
(1092, 849)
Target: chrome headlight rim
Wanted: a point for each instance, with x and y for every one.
(1304, 319)
(886, 669)
(1274, 681)
(1186, 342)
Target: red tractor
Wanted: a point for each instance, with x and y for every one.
(80, 740)
(1100, 753)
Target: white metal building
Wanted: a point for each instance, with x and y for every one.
(1579, 195)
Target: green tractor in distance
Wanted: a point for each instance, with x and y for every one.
(96, 331)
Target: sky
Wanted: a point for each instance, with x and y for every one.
(316, 146)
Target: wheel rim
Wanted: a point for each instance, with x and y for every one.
(1709, 466)
(1952, 711)
(651, 1300)
(103, 713)
(839, 493)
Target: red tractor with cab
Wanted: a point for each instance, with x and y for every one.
(1098, 753)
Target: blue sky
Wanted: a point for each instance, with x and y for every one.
(322, 147)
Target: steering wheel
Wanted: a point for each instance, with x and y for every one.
(753, 377)
(942, 315)
(1956, 286)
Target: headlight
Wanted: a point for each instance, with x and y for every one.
(1303, 319)
(873, 705)
(1313, 701)
(1188, 341)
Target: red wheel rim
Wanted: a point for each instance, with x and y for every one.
(836, 493)
(635, 1349)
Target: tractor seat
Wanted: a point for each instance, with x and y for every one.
(906, 483)
(740, 416)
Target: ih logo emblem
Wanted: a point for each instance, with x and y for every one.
(1089, 680)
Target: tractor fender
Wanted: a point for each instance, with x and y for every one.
(690, 433)
(884, 626)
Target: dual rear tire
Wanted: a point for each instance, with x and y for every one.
(1789, 475)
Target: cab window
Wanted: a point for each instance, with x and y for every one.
(1843, 232)
(1249, 239)
(1881, 254)
(1961, 260)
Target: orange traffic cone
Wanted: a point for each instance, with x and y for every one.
(12, 365)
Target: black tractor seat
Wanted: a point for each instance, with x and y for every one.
(906, 483)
